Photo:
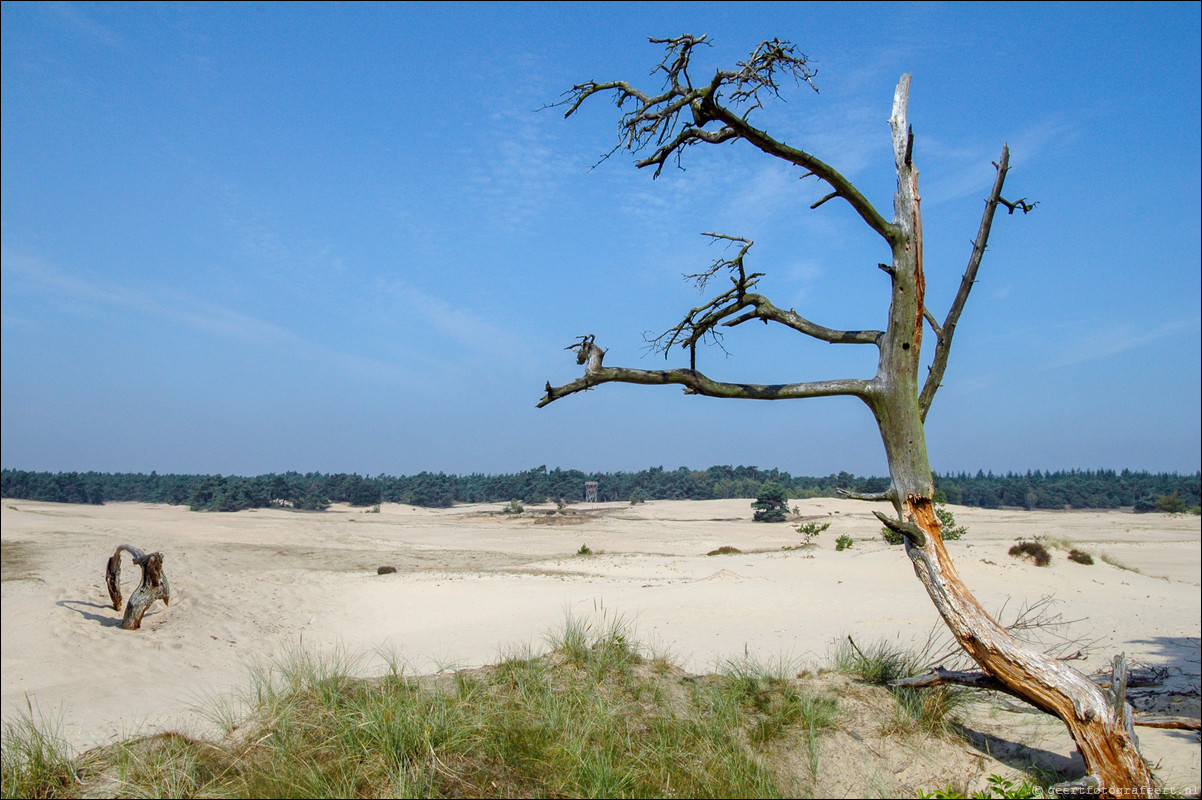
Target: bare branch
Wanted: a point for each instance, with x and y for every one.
(908, 529)
(944, 335)
(824, 199)
(1020, 204)
(704, 320)
(765, 310)
(693, 381)
(887, 495)
(930, 318)
(938, 676)
(682, 115)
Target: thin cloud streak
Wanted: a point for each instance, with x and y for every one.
(198, 315)
(1120, 339)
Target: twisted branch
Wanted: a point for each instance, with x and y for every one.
(703, 321)
(694, 382)
(683, 115)
(153, 587)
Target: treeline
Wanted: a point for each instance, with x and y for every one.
(316, 491)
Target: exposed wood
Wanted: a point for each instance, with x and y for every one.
(154, 585)
(1165, 721)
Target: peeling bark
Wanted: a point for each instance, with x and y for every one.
(153, 587)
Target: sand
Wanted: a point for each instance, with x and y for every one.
(472, 583)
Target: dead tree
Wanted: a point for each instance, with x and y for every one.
(684, 113)
(153, 587)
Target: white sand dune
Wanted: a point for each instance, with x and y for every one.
(471, 583)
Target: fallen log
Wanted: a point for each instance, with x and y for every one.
(153, 587)
(1163, 721)
(938, 676)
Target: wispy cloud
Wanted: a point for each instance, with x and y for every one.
(517, 168)
(86, 24)
(966, 169)
(181, 310)
(1099, 344)
(474, 333)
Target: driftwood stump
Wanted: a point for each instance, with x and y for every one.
(154, 584)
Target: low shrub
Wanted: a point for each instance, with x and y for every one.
(843, 542)
(810, 530)
(1033, 550)
(1080, 557)
(724, 550)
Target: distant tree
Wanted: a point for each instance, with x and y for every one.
(684, 112)
(771, 504)
(1171, 504)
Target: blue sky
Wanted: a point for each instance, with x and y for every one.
(249, 238)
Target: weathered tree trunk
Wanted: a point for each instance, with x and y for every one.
(1100, 727)
(153, 587)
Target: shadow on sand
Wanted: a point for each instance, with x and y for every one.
(104, 619)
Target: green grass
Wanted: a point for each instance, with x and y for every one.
(1114, 562)
(594, 717)
(36, 760)
(931, 710)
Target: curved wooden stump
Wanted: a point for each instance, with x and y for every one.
(154, 584)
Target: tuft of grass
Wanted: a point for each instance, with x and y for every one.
(931, 710)
(1114, 562)
(584, 550)
(776, 702)
(843, 542)
(34, 758)
(1080, 557)
(1033, 550)
(724, 550)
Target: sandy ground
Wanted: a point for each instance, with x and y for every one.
(472, 583)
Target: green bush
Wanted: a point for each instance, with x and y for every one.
(810, 530)
(1171, 504)
(772, 504)
(843, 542)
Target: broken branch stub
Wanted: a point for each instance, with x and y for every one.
(153, 587)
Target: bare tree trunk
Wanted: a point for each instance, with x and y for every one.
(680, 116)
(1100, 728)
(153, 587)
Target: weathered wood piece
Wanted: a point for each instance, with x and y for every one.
(154, 585)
